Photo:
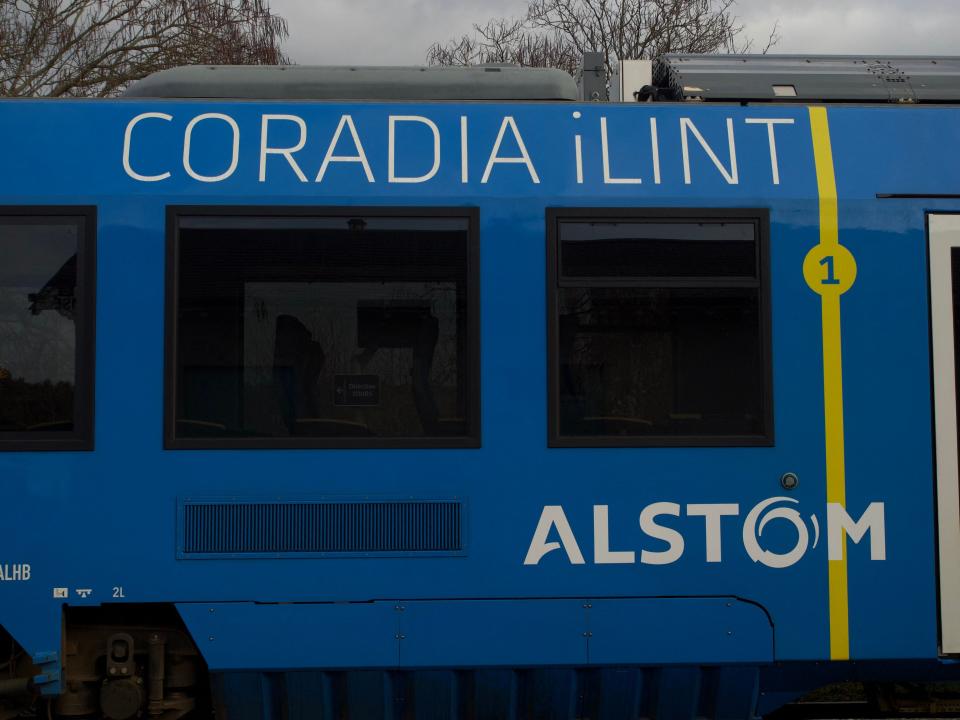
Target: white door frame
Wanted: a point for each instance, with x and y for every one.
(944, 236)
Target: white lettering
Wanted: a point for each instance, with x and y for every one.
(235, 157)
(712, 515)
(839, 522)
(578, 147)
(553, 516)
(772, 139)
(464, 150)
(16, 572)
(605, 152)
(660, 532)
(392, 177)
(128, 133)
(523, 159)
(731, 176)
(602, 554)
(752, 532)
(360, 157)
(655, 150)
(286, 153)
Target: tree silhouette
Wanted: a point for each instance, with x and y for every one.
(556, 33)
(96, 48)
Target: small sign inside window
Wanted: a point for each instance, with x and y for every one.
(356, 389)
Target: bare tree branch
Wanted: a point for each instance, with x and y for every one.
(97, 47)
(556, 33)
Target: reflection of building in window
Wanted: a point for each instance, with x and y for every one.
(329, 328)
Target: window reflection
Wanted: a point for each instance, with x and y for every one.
(38, 307)
(323, 327)
(660, 331)
(660, 362)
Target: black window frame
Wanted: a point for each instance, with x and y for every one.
(760, 217)
(81, 438)
(232, 213)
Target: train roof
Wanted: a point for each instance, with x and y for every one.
(304, 82)
(673, 77)
(809, 78)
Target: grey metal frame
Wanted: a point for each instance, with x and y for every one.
(814, 78)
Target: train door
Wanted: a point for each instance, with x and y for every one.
(944, 243)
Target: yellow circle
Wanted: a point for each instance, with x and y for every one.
(829, 269)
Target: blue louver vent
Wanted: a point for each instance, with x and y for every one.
(302, 529)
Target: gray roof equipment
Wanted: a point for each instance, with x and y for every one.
(301, 82)
(593, 77)
(808, 78)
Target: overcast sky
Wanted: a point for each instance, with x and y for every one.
(372, 32)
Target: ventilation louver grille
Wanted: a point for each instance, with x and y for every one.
(299, 529)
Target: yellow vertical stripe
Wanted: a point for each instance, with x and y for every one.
(826, 180)
(832, 380)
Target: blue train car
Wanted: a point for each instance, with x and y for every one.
(475, 409)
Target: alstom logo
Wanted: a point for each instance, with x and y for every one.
(555, 533)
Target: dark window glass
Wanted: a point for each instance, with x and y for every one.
(658, 249)
(660, 333)
(42, 308)
(671, 361)
(336, 328)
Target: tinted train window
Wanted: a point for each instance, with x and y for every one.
(659, 332)
(343, 330)
(46, 324)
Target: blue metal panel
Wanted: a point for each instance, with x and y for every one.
(480, 633)
(493, 632)
(678, 631)
(887, 380)
(127, 488)
(243, 636)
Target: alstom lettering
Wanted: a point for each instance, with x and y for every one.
(554, 532)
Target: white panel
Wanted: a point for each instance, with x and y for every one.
(944, 237)
(784, 91)
(634, 76)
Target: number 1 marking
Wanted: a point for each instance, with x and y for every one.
(830, 279)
